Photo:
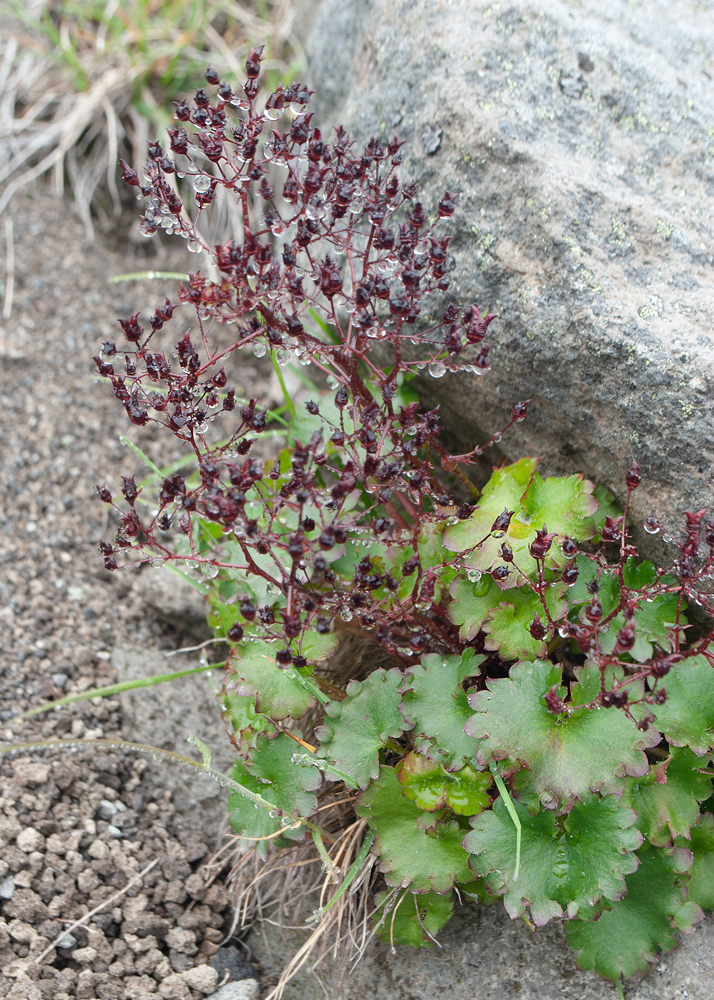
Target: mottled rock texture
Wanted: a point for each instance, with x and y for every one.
(581, 138)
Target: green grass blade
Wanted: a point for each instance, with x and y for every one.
(112, 689)
(146, 276)
(508, 802)
(140, 454)
(350, 876)
(286, 395)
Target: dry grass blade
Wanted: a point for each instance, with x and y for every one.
(82, 84)
(277, 891)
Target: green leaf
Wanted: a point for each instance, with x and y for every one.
(361, 724)
(565, 505)
(431, 787)
(435, 704)
(652, 624)
(687, 717)
(564, 866)
(568, 755)
(505, 616)
(625, 938)
(507, 627)
(609, 592)
(270, 772)
(245, 723)
(315, 646)
(700, 888)
(472, 603)
(667, 799)
(416, 917)
(606, 507)
(279, 694)
(424, 860)
(638, 575)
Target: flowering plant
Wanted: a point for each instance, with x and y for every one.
(540, 728)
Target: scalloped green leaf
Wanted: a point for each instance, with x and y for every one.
(687, 717)
(700, 888)
(472, 603)
(435, 705)
(316, 647)
(564, 865)
(244, 721)
(667, 799)
(416, 917)
(431, 787)
(507, 626)
(358, 727)
(638, 575)
(271, 773)
(505, 616)
(568, 756)
(652, 624)
(566, 505)
(424, 860)
(625, 938)
(278, 693)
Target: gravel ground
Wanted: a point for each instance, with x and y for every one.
(76, 829)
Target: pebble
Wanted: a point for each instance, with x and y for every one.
(29, 840)
(201, 977)
(7, 888)
(244, 989)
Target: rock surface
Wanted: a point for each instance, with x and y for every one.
(581, 140)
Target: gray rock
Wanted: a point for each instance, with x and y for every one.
(163, 716)
(580, 138)
(7, 888)
(485, 955)
(244, 989)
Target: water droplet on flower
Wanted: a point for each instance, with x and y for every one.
(283, 356)
(194, 246)
(201, 183)
(667, 538)
(259, 350)
(209, 570)
(473, 575)
(652, 525)
(272, 114)
(346, 615)
(297, 108)
(332, 382)
(437, 370)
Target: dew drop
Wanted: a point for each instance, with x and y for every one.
(473, 575)
(437, 370)
(209, 570)
(259, 350)
(346, 615)
(332, 382)
(652, 525)
(193, 246)
(201, 183)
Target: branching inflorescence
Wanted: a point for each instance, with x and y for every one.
(536, 737)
